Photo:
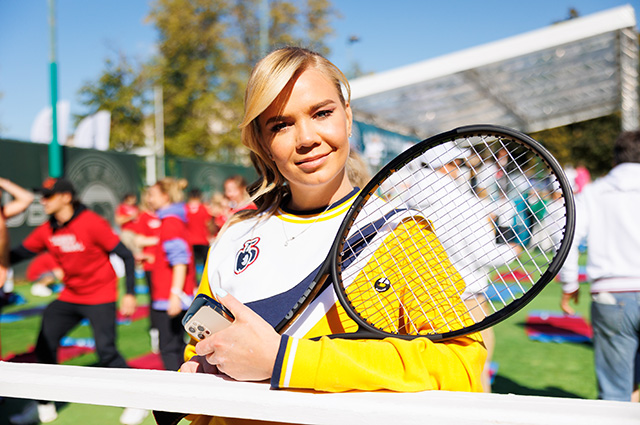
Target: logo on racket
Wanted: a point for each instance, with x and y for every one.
(382, 285)
(247, 255)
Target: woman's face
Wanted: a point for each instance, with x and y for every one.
(306, 132)
(156, 198)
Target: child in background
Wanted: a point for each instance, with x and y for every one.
(173, 275)
(43, 271)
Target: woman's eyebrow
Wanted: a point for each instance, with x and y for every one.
(319, 105)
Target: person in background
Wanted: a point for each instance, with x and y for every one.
(43, 271)
(22, 198)
(81, 242)
(219, 209)
(199, 226)
(583, 178)
(4, 259)
(237, 199)
(173, 275)
(126, 216)
(235, 190)
(473, 244)
(4, 250)
(607, 216)
(147, 237)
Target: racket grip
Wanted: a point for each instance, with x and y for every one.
(168, 418)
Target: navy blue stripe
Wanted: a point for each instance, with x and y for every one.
(354, 245)
(277, 367)
(273, 309)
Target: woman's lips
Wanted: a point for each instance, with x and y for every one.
(312, 162)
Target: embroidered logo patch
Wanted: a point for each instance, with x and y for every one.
(247, 255)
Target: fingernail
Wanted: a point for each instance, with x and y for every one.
(220, 292)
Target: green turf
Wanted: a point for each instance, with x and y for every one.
(525, 367)
(536, 368)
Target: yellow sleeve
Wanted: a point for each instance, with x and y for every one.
(393, 363)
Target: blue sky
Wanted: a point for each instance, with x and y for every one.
(392, 33)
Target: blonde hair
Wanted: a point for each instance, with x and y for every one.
(268, 79)
(173, 188)
(357, 170)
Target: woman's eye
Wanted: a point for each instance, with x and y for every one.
(278, 127)
(324, 113)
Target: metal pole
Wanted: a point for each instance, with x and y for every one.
(159, 148)
(55, 152)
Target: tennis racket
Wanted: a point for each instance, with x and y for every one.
(454, 235)
(451, 237)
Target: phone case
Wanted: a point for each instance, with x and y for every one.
(205, 317)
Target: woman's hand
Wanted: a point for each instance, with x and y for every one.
(246, 350)
(198, 364)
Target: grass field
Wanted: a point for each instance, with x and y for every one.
(525, 367)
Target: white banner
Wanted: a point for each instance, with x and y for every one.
(41, 127)
(93, 131)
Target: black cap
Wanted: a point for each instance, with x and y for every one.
(52, 186)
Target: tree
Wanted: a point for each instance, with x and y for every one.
(121, 91)
(206, 52)
(588, 143)
(319, 16)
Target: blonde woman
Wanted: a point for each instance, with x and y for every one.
(297, 123)
(173, 271)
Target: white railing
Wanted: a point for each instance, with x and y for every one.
(213, 395)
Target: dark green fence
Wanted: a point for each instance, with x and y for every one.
(100, 178)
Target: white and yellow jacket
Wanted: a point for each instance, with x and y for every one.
(267, 264)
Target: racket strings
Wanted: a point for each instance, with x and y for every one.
(463, 265)
(387, 319)
(413, 289)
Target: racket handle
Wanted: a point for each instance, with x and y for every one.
(168, 418)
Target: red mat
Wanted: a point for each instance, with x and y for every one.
(140, 313)
(557, 327)
(64, 354)
(147, 361)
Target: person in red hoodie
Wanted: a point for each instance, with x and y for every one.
(200, 226)
(147, 233)
(126, 216)
(80, 242)
(173, 276)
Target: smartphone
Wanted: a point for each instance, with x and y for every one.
(205, 317)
